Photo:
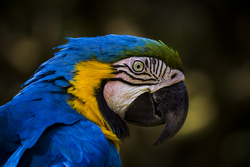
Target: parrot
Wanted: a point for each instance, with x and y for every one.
(73, 111)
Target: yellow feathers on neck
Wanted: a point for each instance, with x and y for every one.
(87, 79)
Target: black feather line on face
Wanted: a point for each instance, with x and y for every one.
(121, 71)
(161, 69)
(118, 126)
(134, 78)
(129, 83)
(117, 66)
(164, 72)
(146, 63)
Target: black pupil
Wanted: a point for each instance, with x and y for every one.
(138, 66)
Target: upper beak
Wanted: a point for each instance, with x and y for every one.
(168, 105)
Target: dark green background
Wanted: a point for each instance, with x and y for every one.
(211, 36)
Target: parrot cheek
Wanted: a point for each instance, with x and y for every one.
(119, 96)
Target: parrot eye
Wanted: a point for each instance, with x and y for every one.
(138, 66)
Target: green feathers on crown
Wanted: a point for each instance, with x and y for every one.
(157, 49)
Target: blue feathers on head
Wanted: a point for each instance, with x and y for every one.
(107, 49)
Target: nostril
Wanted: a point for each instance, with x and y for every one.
(173, 76)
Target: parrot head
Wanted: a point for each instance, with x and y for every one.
(114, 78)
(147, 92)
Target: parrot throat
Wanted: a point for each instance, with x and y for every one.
(116, 123)
(87, 80)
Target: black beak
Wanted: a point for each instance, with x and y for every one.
(168, 105)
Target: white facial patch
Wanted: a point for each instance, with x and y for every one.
(129, 82)
(119, 95)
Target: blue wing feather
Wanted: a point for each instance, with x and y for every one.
(48, 131)
(58, 146)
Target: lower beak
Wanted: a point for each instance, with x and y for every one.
(168, 105)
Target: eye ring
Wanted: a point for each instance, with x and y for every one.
(138, 66)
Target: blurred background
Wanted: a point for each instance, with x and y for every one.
(211, 36)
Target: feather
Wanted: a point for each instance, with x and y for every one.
(55, 119)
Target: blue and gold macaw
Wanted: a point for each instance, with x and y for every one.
(71, 112)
